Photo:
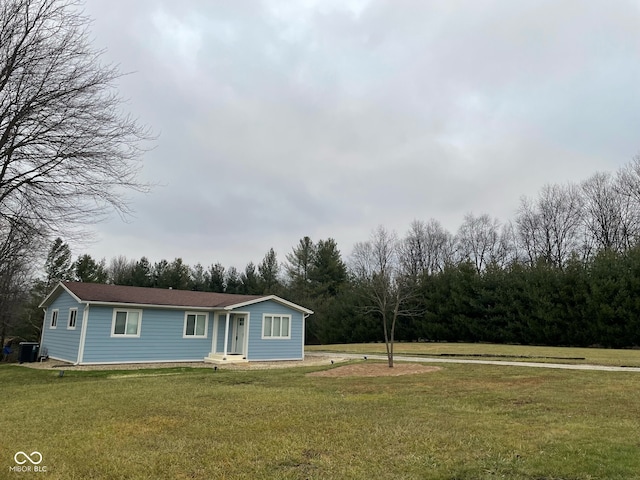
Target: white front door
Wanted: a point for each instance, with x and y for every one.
(237, 344)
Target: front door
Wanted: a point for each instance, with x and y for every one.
(237, 344)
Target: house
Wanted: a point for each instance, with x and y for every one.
(90, 323)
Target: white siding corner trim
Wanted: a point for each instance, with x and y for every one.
(83, 334)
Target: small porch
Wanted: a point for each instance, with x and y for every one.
(230, 339)
(220, 359)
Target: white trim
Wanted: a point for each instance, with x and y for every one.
(83, 333)
(70, 362)
(275, 298)
(206, 325)
(60, 285)
(69, 327)
(246, 337)
(177, 307)
(304, 332)
(214, 336)
(44, 326)
(125, 335)
(153, 305)
(245, 340)
(55, 311)
(274, 337)
(275, 360)
(133, 362)
(226, 335)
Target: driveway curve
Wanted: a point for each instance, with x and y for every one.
(562, 366)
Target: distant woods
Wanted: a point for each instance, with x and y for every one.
(564, 271)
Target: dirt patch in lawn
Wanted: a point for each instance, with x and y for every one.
(371, 369)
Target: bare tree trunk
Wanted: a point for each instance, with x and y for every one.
(393, 331)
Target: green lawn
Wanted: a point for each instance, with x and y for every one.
(525, 353)
(461, 422)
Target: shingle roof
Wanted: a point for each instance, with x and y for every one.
(122, 294)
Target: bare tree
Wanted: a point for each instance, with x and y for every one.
(479, 241)
(609, 215)
(17, 250)
(509, 248)
(121, 270)
(425, 248)
(67, 152)
(627, 184)
(550, 227)
(629, 179)
(376, 265)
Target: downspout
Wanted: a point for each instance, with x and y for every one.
(226, 335)
(44, 322)
(83, 334)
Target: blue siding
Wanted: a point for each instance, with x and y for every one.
(61, 342)
(272, 349)
(160, 338)
(161, 335)
(265, 349)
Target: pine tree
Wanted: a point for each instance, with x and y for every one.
(58, 266)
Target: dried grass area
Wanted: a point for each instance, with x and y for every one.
(371, 369)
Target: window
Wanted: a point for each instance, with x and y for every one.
(54, 318)
(195, 325)
(73, 317)
(276, 326)
(126, 323)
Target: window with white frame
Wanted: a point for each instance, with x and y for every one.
(126, 323)
(195, 325)
(54, 318)
(276, 326)
(73, 317)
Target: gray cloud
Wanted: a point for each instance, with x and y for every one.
(282, 119)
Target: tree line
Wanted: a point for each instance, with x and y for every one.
(565, 271)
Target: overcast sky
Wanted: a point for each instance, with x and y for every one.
(281, 119)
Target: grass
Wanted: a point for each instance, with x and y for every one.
(525, 353)
(462, 422)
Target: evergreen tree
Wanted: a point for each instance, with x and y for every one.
(141, 275)
(161, 275)
(198, 279)
(250, 280)
(58, 266)
(232, 281)
(216, 278)
(328, 273)
(177, 275)
(268, 272)
(88, 270)
(298, 268)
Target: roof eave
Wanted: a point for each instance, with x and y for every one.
(151, 305)
(54, 293)
(275, 298)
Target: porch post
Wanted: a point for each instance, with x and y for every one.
(214, 333)
(226, 335)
